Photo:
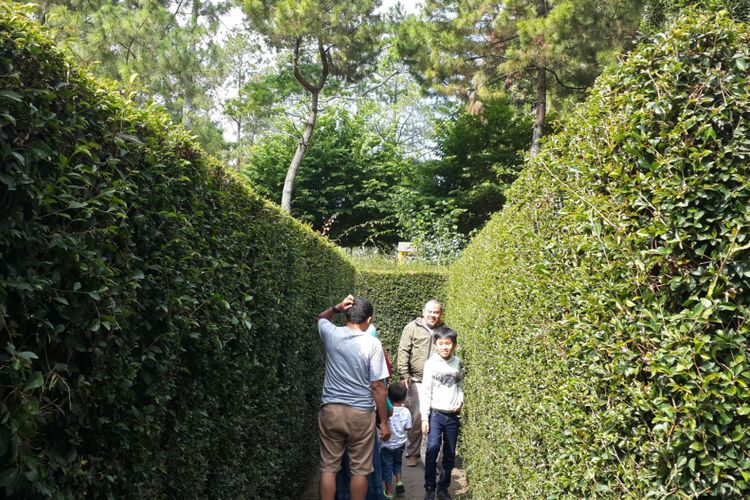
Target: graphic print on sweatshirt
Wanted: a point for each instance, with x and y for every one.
(448, 379)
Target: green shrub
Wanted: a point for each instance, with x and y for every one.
(604, 310)
(157, 318)
(398, 295)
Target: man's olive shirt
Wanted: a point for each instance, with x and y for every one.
(414, 349)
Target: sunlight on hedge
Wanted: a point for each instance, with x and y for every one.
(603, 313)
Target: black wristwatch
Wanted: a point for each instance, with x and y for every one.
(336, 311)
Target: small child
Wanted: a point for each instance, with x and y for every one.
(392, 450)
(440, 401)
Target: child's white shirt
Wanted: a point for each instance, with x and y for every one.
(442, 385)
(399, 423)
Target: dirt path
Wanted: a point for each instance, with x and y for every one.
(413, 479)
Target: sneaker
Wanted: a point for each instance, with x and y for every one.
(412, 461)
(400, 490)
(430, 495)
(443, 495)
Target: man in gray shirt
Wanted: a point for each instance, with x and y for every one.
(352, 390)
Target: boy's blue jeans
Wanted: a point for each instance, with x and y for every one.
(391, 460)
(443, 428)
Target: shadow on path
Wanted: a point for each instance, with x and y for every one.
(413, 479)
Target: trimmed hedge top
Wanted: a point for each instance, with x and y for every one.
(158, 318)
(609, 358)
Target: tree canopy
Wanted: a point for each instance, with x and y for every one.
(531, 48)
(326, 39)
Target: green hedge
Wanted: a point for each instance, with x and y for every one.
(604, 311)
(157, 318)
(398, 296)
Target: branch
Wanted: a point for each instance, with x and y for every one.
(397, 72)
(324, 61)
(560, 83)
(173, 17)
(297, 73)
(504, 40)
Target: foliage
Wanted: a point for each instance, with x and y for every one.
(348, 31)
(345, 180)
(659, 12)
(478, 158)
(471, 49)
(431, 227)
(162, 51)
(510, 39)
(157, 316)
(398, 295)
(340, 39)
(603, 312)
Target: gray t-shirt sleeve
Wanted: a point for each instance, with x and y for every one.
(325, 328)
(378, 366)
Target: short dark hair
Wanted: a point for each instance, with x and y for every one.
(359, 312)
(397, 392)
(445, 333)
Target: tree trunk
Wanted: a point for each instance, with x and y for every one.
(239, 143)
(189, 89)
(314, 89)
(187, 104)
(541, 111)
(291, 173)
(542, 9)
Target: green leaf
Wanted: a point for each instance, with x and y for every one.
(36, 381)
(11, 95)
(27, 355)
(136, 275)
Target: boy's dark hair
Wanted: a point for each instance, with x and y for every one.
(359, 312)
(444, 333)
(397, 392)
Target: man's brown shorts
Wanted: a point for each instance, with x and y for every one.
(342, 428)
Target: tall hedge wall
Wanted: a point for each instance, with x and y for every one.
(604, 311)
(398, 296)
(157, 318)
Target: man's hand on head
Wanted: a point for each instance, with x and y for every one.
(347, 303)
(342, 306)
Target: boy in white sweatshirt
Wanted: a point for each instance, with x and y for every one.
(441, 400)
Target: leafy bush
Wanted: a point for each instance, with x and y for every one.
(398, 295)
(604, 310)
(156, 316)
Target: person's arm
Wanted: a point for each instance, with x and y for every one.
(425, 397)
(460, 385)
(340, 307)
(409, 422)
(379, 393)
(404, 356)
